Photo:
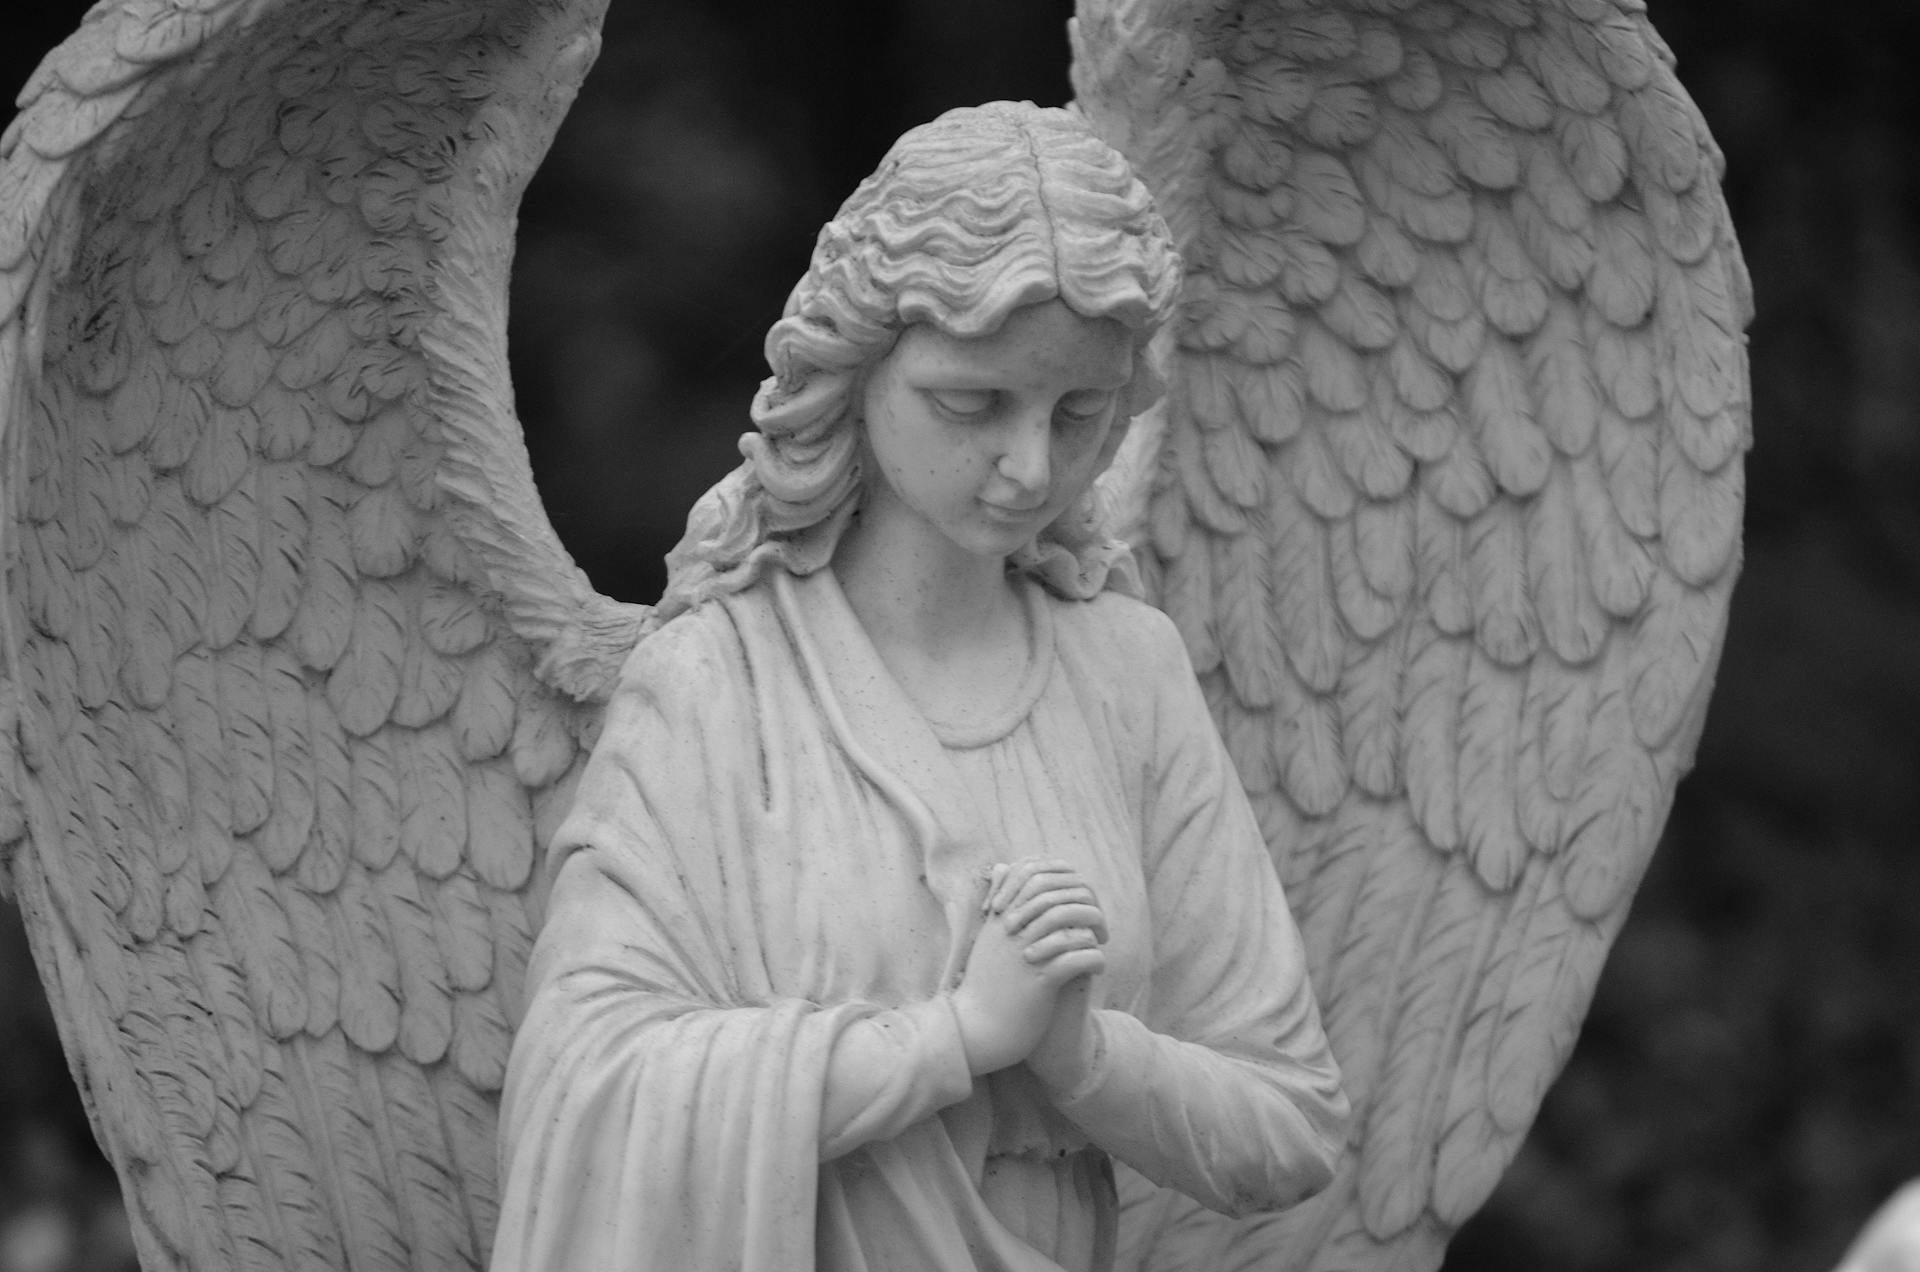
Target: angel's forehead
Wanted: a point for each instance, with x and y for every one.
(1047, 340)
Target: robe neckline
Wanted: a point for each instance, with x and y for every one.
(1033, 678)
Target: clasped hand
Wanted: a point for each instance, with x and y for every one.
(1025, 992)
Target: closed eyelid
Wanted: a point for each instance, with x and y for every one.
(1087, 402)
(961, 401)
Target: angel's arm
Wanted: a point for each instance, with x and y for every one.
(1224, 1088)
(632, 937)
(890, 1070)
(884, 1070)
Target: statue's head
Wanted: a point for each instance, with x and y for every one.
(968, 219)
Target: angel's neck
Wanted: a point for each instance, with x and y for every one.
(954, 647)
(926, 605)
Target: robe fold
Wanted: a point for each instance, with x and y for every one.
(738, 1052)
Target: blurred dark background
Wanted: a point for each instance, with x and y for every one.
(1747, 1088)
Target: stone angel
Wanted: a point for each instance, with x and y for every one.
(928, 899)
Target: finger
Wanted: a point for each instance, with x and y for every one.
(995, 877)
(1049, 880)
(1016, 877)
(1006, 874)
(1070, 966)
(1066, 911)
(1056, 943)
(1051, 919)
(1035, 911)
(1021, 874)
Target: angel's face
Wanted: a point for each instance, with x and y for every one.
(977, 444)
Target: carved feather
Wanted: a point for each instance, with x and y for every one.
(324, 1075)
(440, 1229)
(463, 931)
(426, 1018)
(1438, 957)
(331, 838)
(1370, 719)
(256, 670)
(1365, 611)
(1503, 530)
(1571, 620)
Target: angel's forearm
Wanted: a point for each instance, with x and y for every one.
(890, 1070)
(1235, 1134)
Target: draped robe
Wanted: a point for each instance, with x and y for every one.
(738, 1052)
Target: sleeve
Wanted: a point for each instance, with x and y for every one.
(646, 1121)
(657, 1114)
(1226, 1090)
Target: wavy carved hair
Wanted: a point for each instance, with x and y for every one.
(968, 218)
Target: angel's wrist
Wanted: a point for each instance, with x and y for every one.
(1071, 1065)
(978, 1041)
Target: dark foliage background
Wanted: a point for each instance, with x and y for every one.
(1747, 1088)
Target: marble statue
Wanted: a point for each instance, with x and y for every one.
(1441, 503)
(909, 787)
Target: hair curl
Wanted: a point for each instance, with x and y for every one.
(980, 213)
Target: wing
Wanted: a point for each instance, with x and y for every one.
(1447, 508)
(278, 586)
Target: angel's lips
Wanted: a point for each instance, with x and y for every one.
(1011, 512)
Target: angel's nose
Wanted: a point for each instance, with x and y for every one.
(1027, 460)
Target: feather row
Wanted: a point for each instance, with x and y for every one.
(195, 710)
(1436, 672)
(467, 1118)
(1307, 748)
(1308, 621)
(1366, 613)
(370, 985)
(1440, 560)
(364, 683)
(329, 774)
(426, 1002)
(1571, 619)
(441, 1237)
(1542, 816)
(249, 910)
(1246, 618)
(501, 844)
(543, 745)
(463, 931)
(1700, 515)
(1506, 620)
(246, 725)
(1679, 639)
(323, 621)
(1331, 881)
(321, 1078)
(433, 799)
(1438, 968)
(1473, 1150)
(311, 918)
(1369, 699)
(1557, 962)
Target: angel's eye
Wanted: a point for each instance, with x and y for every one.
(1087, 407)
(961, 404)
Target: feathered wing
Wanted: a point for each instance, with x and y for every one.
(1447, 507)
(277, 589)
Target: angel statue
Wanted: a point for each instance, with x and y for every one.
(902, 888)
